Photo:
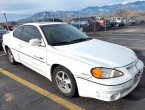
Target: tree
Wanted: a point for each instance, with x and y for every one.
(122, 13)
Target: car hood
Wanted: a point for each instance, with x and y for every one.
(99, 53)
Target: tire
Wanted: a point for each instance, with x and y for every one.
(10, 56)
(64, 81)
(1, 49)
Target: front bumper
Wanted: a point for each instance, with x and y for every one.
(88, 88)
(105, 92)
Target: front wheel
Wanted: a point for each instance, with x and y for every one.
(64, 81)
(10, 56)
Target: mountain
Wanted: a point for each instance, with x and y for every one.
(89, 11)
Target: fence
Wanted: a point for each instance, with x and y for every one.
(86, 24)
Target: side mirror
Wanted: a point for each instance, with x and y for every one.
(35, 42)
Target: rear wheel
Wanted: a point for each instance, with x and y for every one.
(10, 56)
(64, 81)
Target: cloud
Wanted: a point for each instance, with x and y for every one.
(18, 9)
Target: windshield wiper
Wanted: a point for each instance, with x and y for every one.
(70, 42)
(80, 40)
(60, 43)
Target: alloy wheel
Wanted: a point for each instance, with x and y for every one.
(63, 82)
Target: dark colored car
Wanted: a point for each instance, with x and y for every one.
(87, 24)
(109, 23)
(10, 25)
(50, 20)
(2, 31)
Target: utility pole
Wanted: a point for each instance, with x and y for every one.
(105, 24)
(6, 22)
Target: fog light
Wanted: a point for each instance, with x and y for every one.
(115, 96)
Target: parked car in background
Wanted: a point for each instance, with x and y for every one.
(136, 20)
(2, 31)
(100, 22)
(132, 21)
(118, 21)
(9, 26)
(86, 24)
(74, 62)
(125, 21)
(49, 20)
(109, 23)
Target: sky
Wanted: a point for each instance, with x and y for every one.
(30, 7)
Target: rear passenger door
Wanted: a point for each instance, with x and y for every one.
(32, 56)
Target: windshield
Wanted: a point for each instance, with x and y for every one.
(63, 34)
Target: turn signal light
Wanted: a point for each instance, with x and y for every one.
(97, 72)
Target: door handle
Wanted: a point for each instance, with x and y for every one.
(38, 57)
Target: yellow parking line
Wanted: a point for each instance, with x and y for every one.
(42, 91)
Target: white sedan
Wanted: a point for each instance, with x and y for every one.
(74, 62)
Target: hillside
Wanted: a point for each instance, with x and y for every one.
(138, 6)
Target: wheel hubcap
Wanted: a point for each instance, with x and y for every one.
(10, 56)
(63, 82)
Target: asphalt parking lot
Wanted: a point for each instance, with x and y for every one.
(24, 89)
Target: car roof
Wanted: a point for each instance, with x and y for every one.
(44, 23)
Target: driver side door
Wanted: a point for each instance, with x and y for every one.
(32, 56)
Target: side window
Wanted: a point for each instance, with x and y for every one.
(30, 32)
(17, 33)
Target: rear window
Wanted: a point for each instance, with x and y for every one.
(17, 32)
(119, 18)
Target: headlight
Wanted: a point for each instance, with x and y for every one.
(105, 73)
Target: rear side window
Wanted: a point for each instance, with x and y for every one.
(30, 32)
(17, 32)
